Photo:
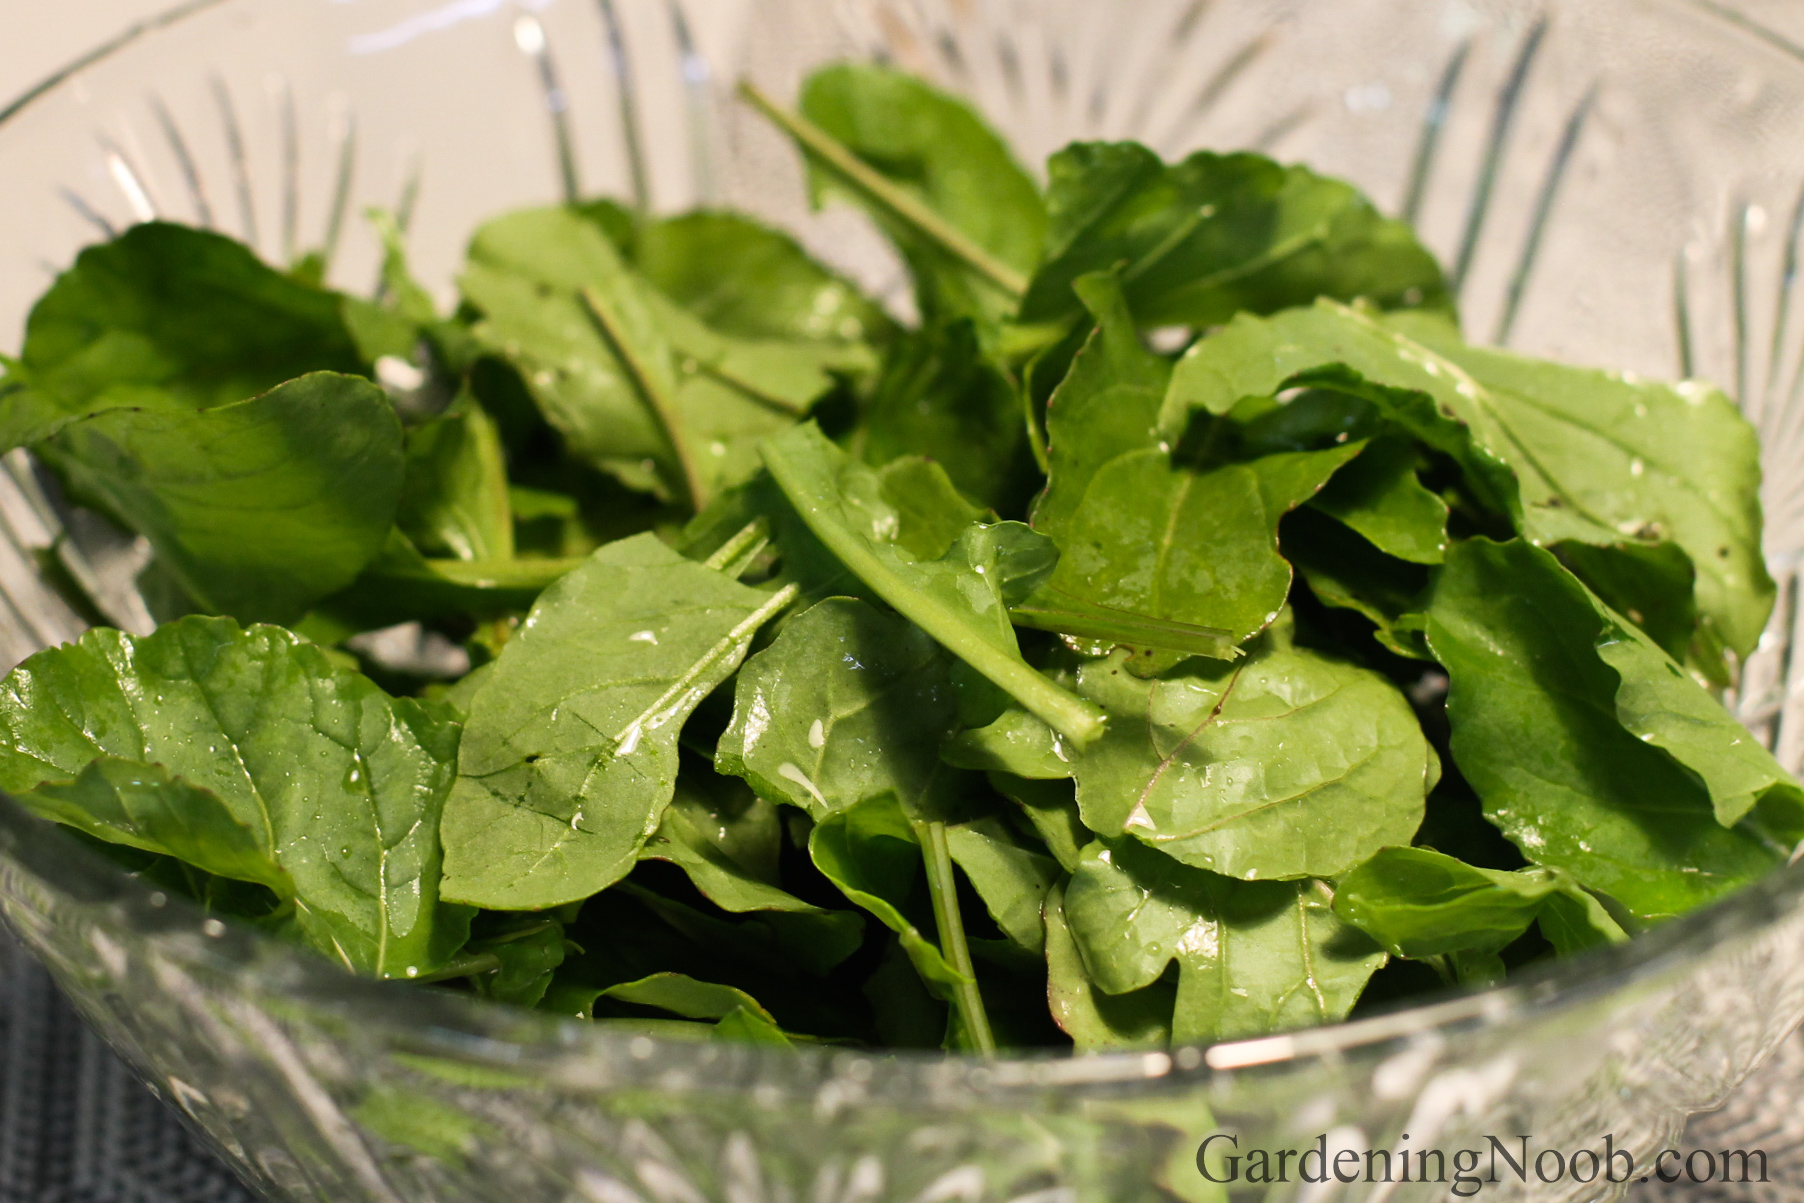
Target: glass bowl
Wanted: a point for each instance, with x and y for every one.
(1612, 181)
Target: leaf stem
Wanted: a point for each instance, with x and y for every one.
(1059, 708)
(663, 408)
(1036, 434)
(942, 885)
(741, 548)
(872, 183)
(503, 574)
(470, 966)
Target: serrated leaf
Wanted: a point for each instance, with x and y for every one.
(1538, 734)
(569, 756)
(1192, 555)
(1288, 764)
(847, 703)
(1420, 903)
(1214, 235)
(1253, 957)
(343, 784)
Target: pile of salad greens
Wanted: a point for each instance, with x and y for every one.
(1173, 631)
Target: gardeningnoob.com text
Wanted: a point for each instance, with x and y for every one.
(1221, 1159)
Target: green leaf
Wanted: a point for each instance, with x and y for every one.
(941, 395)
(749, 1027)
(1419, 903)
(726, 839)
(687, 997)
(259, 508)
(1194, 552)
(1108, 405)
(454, 499)
(1097, 1021)
(570, 753)
(141, 806)
(401, 585)
(748, 280)
(1602, 458)
(962, 608)
(1538, 733)
(1662, 705)
(1215, 235)
(1010, 878)
(343, 784)
(970, 221)
(1254, 957)
(1288, 764)
(173, 317)
(1051, 808)
(1331, 347)
(930, 512)
(1346, 572)
(847, 703)
(527, 964)
(1606, 458)
(1017, 743)
(870, 852)
(1379, 496)
(635, 384)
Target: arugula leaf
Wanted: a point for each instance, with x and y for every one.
(938, 181)
(1538, 733)
(1602, 459)
(1107, 405)
(400, 585)
(528, 962)
(747, 280)
(845, 704)
(1162, 556)
(1017, 743)
(962, 607)
(625, 375)
(1660, 704)
(1254, 957)
(1010, 877)
(141, 806)
(1379, 496)
(872, 854)
(1337, 349)
(1097, 1021)
(1051, 809)
(257, 508)
(942, 396)
(169, 317)
(1419, 903)
(1288, 764)
(1606, 458)
(1216, 235)
(454, 497)
(685, 996)
(725, 839)
(1346, 572)
(569, 755)
(339, 784)
(930, 512)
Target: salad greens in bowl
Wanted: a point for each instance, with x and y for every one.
(1155, 624)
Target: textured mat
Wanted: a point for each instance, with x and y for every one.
(75, 1125)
